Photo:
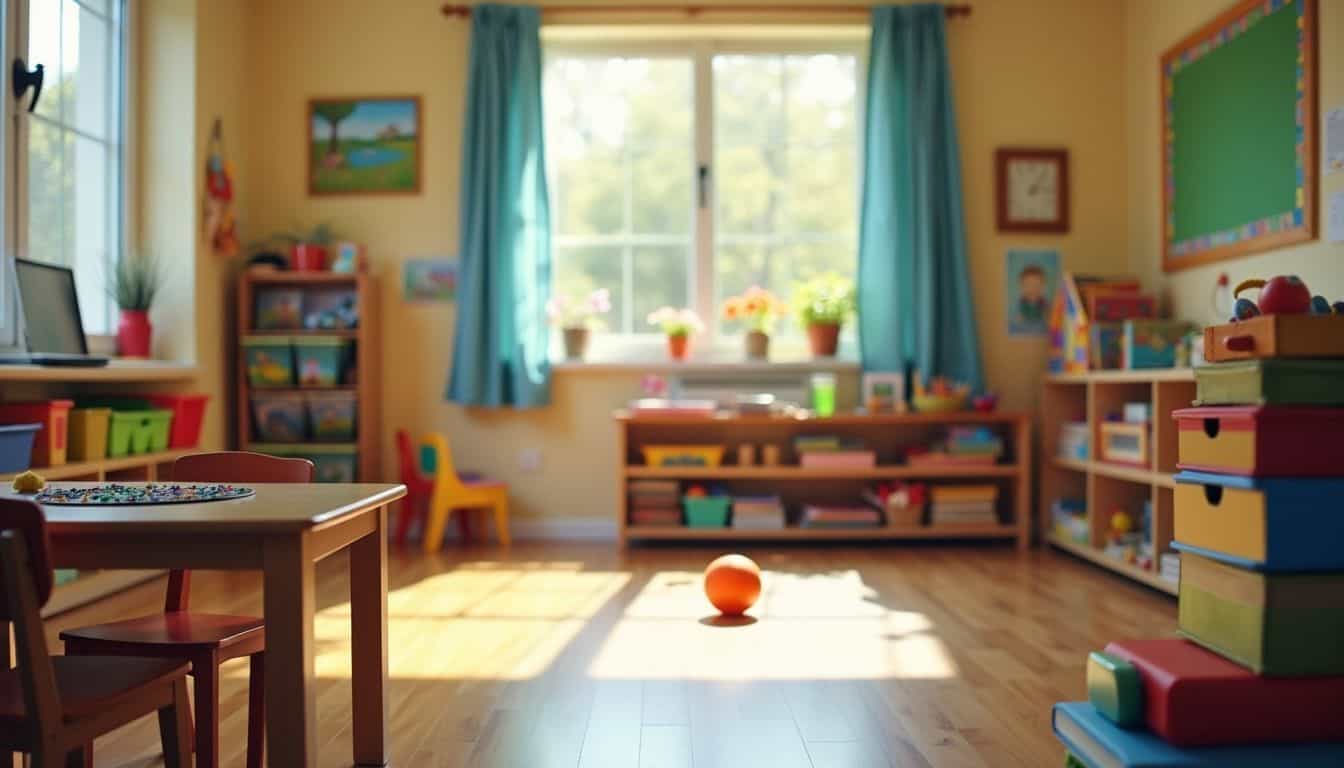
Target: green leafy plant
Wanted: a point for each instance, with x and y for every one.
(318, 235)
(826, 299)
(135, 282)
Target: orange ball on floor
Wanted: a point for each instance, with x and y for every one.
(732, 584)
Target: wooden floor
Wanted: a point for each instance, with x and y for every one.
(584, 656)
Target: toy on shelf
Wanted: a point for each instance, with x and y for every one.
(902, 503)
(1127, 541)
(1124, 443)
(941, 395)
(1151, 343)
(985, 403)
(1073, 346)
(1070, 520)
(1285, 321)
(963, 445)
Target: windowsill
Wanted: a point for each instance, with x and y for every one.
(707, 365)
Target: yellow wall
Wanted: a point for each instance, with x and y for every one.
(1027, 72)
(1153, 26)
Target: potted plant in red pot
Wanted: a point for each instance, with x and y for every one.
(135, 282)
(308, 251)
(679, 325)
(824, 303)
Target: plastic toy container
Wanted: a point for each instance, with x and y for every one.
(707, 511)
(269, 361)
(279, 417)
(331, 415)
(88, 433)
(49, 447)
(279, 309)
(334, 462)
(16, 446)
(320, 360)
(134, 431)
(683, 455)
(188, 413)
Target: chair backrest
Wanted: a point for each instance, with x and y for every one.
(26, 576)
(229, 467)
(440, 462)
(408, 464)
(27, 518)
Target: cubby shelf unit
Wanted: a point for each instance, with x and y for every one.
(1104, 486)
(889, 435)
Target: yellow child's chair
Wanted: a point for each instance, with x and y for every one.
(458, 492)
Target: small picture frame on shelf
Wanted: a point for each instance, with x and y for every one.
(884, 392)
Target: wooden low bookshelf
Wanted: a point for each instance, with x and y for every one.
(889, 435)
(1103, 486)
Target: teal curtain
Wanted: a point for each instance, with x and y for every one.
(915, 306)
(501, 339)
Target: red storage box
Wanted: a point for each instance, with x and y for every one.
(1261, 441)
(49, 448)
(188, 413)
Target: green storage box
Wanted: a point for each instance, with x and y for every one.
(132, 432)
(707, 511)
(1276, 624)
(269, 361)
(320, 360)
(1271, 381)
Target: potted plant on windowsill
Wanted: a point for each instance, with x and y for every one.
(679, 325)
(577, 319)
(135, 282)
(824, 303)
(759, 310)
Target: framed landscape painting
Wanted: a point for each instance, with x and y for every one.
(364, 146)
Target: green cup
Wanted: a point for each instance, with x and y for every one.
(823, 394)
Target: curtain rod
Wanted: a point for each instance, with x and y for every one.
(692, 11)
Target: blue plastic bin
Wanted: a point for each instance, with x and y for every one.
(16, 446)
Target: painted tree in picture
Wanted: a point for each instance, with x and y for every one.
(364, 146)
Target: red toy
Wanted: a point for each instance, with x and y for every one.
(1193, 697)
(1284, 295)
(732, 584)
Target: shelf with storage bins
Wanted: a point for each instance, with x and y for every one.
(1105, 486)
(888, 436)
(286, 299)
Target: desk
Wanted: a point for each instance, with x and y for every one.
(282, 531)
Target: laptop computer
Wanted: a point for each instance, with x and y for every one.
(53, 331)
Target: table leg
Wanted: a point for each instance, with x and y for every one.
(291, 709)
(368, 643)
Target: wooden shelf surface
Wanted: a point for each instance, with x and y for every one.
(288, 277)
(819, 473)
(681, 533)
(1118, 471)
(117, 371)
(1124, 377)
(86, 468)
(1094, 555)
(840, 419)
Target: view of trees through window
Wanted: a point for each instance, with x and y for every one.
(621, 150)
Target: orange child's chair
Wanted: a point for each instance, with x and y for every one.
(452, 491)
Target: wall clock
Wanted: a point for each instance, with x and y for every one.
(1032, 189)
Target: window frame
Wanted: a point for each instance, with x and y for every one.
(701, 50)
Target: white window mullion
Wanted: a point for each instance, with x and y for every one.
(701, 273)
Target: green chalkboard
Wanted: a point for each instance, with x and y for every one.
(1239, 113)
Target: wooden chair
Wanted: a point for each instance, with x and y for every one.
(419, 490)
(206, 640)
(456, 492)
(51, 707)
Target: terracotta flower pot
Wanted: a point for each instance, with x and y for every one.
(576, 343)
(679, 347)
(758, 345)
(825, 338)
(134, 333)
(306, 257)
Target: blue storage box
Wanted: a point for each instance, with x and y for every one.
(320, 360)
(1263, 524)
(16, 446)
(269, 361)
(279, 417)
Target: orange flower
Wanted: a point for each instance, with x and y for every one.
(732, 309)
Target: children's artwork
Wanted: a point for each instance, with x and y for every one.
(364, 146)
(1031, 278)
(883, 392)
(429, 280)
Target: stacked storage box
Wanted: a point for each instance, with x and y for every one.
(317, 423)
(1257, 677)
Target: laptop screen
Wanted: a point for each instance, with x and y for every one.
(50, 309)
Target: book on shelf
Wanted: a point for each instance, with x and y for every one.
(963, 493)
(640, 517)
(819, 516)
(838, 460)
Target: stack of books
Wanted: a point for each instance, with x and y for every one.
(821, 516)
(1257, 676)
(655, 502)
(963, 446)
(758, 513)
(962, 504)
(830, 452)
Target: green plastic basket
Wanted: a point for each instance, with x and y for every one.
(707, 511)
(134, 432)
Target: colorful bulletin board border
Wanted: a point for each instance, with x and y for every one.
(1281, 228)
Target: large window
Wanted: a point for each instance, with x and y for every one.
(680, 178)
(68, 182)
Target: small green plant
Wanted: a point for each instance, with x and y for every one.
(318, 235)
(135, 281)
(826, 299)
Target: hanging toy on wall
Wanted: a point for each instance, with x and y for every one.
(220, 227)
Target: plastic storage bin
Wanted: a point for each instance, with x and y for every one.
(683, 455)
(188, 413)
(269, 361)
(88, 433)
(335, 463)
(320, 360)
(279, 309)
(707, 511)
(279, 417)
(16, 446)
(49, 447)
(134, 431)
(331, 415)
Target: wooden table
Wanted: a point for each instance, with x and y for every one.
(282, 531)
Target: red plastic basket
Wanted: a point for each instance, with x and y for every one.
(188, 413)
(50, 446)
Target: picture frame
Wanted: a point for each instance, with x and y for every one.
(1031, 190)
(884, 392)
(1031, 279)
(364, 145)
(429, 280)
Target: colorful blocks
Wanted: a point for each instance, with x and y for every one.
(1114, 689)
